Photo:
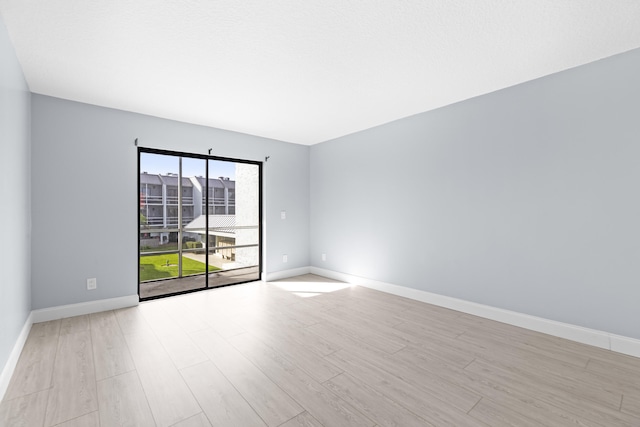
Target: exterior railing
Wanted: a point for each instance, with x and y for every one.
(216, 201)
(155, 222)
(150, 200)
(173, 220)
(186, 200)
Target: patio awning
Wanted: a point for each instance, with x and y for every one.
(219, 225)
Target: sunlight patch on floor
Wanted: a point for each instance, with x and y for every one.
(306, 289)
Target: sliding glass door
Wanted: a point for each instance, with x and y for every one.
(199, 222)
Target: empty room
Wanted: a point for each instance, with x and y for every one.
(340, 213)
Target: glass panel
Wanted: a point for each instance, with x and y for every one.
(169, 206)
(233, 223)
(181, 209)
(247, 211)
(158, 231)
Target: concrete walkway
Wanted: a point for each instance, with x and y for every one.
(214, 260)
(216, 278)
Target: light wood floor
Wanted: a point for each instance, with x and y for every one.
(310, 352)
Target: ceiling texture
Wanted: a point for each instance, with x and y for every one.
(304, 71)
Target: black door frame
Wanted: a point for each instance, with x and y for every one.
(206, 158)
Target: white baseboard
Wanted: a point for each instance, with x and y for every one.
(10, 366)
(625, 345)
(285, 274)
(617, 343)
(62, 311)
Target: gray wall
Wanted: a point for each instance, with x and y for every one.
(15, 184)
(85, 196)
(525, 199)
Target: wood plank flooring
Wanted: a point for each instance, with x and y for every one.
(312, 352)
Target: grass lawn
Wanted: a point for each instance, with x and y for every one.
(153, 267)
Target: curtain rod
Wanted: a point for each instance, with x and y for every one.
(135, 142)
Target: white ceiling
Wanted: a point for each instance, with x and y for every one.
(304, 71)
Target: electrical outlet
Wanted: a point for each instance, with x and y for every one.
(283, 214)
(324, 257)
(92, 283)
(285, 258)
